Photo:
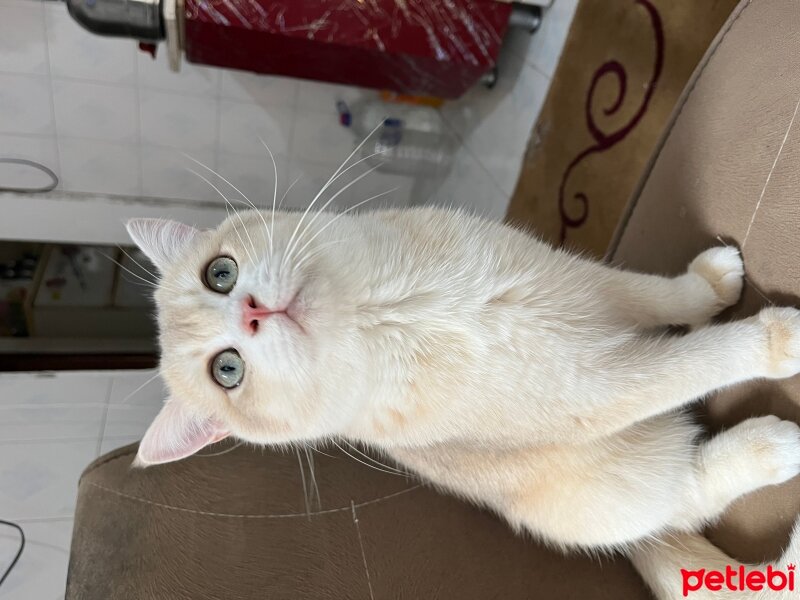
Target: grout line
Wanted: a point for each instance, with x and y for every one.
(49, 440)
(463, 144)
(44, 519)
(31, 542)
(105, 417)
(138, 119)
(218, 125)
(363, 554)
(49, 75)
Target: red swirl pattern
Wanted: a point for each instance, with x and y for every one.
(602, 140)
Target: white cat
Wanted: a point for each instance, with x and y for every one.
(518, 376)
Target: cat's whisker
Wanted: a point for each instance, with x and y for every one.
(150, 283)
(318, 451)
(139, 389)
(236, 189)
(330, 200)
(313, 475)
(138, 264)
(236, 212)
(325, 187)
(366, 464)
(344, 212)
(274, 194)
(286, 193)
(303, 479)
(221, 452)
(236, 229)
(328, 203)
(376, 462)
(137, 284)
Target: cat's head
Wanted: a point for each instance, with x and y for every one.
(254, 329)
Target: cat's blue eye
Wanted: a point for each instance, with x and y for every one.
(227, 368)
(221, 274)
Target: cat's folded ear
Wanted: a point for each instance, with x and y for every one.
(160, 239)
(175, 434)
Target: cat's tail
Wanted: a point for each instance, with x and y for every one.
(688, 566)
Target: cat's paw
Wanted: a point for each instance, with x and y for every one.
(722, 269)
(771, 449)
(782, 326)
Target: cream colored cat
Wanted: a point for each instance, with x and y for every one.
(512, 374)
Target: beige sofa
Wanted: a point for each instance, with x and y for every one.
(235, 526)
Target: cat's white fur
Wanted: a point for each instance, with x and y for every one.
(518, 376)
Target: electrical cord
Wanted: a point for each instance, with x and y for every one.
(39, 167)
(19, 552)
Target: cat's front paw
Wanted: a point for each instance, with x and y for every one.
(783, 341)
(723, 270)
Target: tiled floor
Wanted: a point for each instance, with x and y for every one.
(51, 427)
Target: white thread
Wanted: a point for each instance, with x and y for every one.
(363, 554)
(766, 183)
(239, 516)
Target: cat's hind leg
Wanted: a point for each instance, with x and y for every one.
(609, 493)
(712, 282)
(755, 453)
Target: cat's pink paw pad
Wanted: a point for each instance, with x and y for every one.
(783, 341)
(723, 269)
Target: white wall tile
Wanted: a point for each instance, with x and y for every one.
(253, 175)
(40, 479)
(41, 572)
(74, 52)
(544, 50)
(191, 79)
(112, 443)
(242, 124)
(178, 120)
(379, 183)
(93, 110)
(25, 105)
(52, 406)
(321, 97)
(137, 387)
(313, 177)
(135, 400)
(468, 185)
(259, 89)
(496, 124)
(318, 137)
(310, 179)
(22, 38)
(99, 167)
(165, 174)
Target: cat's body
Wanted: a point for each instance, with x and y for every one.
(518, 376)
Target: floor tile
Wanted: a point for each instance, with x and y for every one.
(40, 479)
(52, 406)
(41, 573)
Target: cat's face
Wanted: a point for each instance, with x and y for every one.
(251, 332)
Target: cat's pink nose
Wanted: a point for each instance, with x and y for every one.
(253, 313)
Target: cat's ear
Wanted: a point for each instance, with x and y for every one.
(175, 434)
(160, 239)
